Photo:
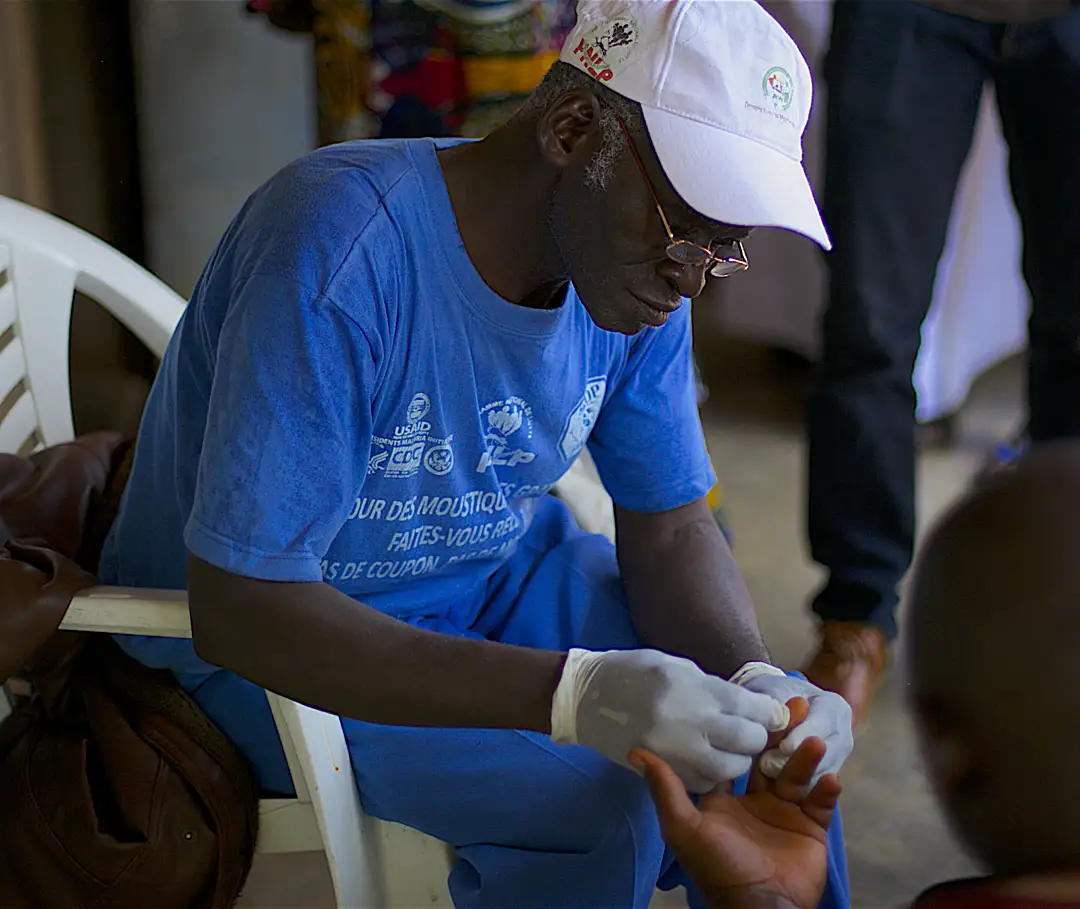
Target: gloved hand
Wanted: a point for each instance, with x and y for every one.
(706, 728)
(829, 719)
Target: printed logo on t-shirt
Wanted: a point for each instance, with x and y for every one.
(439, 459)
(582, 418)
(400, 453)
(508, 427)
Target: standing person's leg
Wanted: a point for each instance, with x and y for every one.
(904, 82)
(1038, 89)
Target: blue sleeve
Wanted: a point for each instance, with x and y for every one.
(648, 444)
(288, 432)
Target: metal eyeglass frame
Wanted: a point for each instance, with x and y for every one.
(686, 252)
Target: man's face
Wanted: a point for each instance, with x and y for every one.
(614, 243)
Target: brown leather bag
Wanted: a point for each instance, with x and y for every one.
(115, 789)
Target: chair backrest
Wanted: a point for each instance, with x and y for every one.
(43, 261)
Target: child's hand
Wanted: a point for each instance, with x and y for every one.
(757, 849)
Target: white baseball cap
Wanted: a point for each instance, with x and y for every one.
(726, 96)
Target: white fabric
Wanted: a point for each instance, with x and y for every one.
(581, 490)
(726, 96)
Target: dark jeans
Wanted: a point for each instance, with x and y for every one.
(904, 86)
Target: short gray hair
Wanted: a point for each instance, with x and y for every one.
(563, 78)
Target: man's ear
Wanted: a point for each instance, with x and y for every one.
(947, 751)
(570, 129)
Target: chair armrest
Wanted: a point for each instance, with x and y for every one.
(130, 610)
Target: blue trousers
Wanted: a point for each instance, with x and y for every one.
(905, 81)
(535, 825)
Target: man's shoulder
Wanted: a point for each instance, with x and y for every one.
(364, 171)
(335, 190)
(322, 217)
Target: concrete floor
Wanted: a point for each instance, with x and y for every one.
(897, 843)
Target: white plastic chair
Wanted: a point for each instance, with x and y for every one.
(43, 261)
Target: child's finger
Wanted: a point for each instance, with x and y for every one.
(758, 781)
(794, 779)
(799, 710)
(820, 804)
(673, 804)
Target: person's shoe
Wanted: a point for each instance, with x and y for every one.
(850, 661)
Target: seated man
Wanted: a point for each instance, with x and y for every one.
(394, 352)
(996, 694)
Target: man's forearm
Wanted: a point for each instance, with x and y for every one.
(313, 644)
(685, 592)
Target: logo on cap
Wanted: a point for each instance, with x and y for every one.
(607, 47)
(778, 86)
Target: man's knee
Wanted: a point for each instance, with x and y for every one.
(623, 815)
(511, 789)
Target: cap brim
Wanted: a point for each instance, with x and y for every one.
(733, 179)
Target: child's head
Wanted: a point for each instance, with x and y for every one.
(995, 663)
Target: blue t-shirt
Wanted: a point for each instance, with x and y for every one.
(346, 400)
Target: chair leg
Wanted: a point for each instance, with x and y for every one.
(414, 867)
(321, 768)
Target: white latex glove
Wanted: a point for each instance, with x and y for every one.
(829, 718)
(706, 728)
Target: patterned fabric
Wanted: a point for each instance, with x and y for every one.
(417, 68)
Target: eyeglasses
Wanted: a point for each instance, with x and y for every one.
(720, 265)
